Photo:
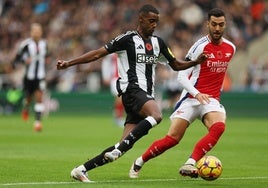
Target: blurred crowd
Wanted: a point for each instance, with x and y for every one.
(75, 27)
(255, 79)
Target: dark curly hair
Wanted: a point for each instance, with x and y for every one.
(148, 8)
(217, 12)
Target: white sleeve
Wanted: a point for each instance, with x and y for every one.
(183, 79)
(184, 76)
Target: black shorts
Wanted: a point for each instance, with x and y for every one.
(133, 100)
(30, 86)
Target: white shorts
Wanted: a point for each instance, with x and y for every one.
(113, 87)
(190, 109)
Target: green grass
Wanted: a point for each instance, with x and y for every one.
(30, 159)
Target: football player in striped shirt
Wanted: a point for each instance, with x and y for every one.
(33, 53)
(138, 52)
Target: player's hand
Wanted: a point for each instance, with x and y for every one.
(201, 58)
(203, 98)
(61, 64)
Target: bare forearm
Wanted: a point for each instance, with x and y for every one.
(182, 65)
(187, 64)
(85, 58)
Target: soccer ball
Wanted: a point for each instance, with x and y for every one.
(209, 168)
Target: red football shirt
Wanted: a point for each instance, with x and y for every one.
(208, 77)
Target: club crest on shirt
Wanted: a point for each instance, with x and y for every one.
(228, 54)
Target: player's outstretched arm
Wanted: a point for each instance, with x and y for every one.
(182, 65)
(85, 58)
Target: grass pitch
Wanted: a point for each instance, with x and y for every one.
(45, 159)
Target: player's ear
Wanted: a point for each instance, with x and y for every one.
(140, 18)
(208, 24)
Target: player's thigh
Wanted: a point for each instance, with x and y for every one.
(38, 95)
(151, 108)
(177, 128)
(213, 117)
(213, 112)
(135, 99)
(28, 88)
(188, 110)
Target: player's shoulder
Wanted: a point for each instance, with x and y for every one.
(25, 42)
(202, 41)
(126, 35)
(158, 38)
(43, 41)
(200, 44)
(228, 42)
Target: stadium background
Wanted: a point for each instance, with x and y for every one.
(82, 125)
(74, 27)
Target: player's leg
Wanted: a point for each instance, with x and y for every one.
(26, 107)
(213, 116)
(215, 123)
(176, 131)
(100, 159)
(80, 173)
(27, 99)
(142, 110)
(38, 109)
(153, 115)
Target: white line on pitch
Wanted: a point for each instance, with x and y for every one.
(125, 181)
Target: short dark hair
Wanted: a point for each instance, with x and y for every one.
(217, 12)
(148, 8)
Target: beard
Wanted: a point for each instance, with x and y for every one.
(216, 36)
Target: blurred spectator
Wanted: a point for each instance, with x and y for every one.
(227, 83)
(253, 76)
(257, 9)
(264, 78)
(74, 27)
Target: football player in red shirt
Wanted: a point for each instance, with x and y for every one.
(200, 98)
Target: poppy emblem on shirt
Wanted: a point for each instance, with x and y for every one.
(219, 54)
(148, 46)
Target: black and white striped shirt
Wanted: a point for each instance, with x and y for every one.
(137, 59)
(37, 52)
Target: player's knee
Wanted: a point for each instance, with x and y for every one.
(218, 129)
(152, 120)
(158, 117)
(221, 127)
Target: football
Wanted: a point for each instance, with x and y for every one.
(209, 168)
